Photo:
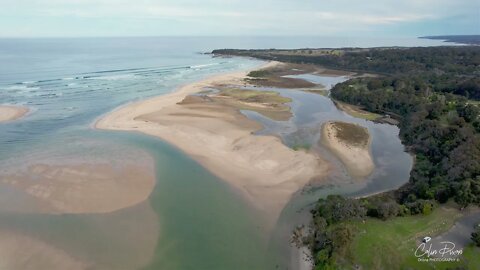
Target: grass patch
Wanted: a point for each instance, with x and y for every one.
(252, 96)
(259, 73)
(351, 133)
(357, 112)
(318, 92)
(471, 257)
(302, 146)
(391, 244)
(268, 103)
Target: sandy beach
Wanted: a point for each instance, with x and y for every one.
(11, 113)
(354, 152)
(220, 138)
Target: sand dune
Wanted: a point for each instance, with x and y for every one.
(220, 138)
(10, 113)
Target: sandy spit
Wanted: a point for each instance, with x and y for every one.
(220, 138)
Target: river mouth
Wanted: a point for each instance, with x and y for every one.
(192, 220)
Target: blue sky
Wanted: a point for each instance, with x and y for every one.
(78, 18)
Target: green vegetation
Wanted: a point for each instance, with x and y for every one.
(470, 255)
(268, 103)
(253, 96)
(391, 244)
(301, 146)
(274, 77)
(476, 235)
(259, 73)
(355, 111)
(351, 133)
(440, 128)
(377, 233)
(319, 92)
(438, 124)
(449, 69)
(331, 239)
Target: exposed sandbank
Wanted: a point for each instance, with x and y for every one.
(351, 144)
(11, 113)
(79, 188)
(220, 138)
(268, 103)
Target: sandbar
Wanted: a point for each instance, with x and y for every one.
(351, 144)
(78, 188)
(11, 113)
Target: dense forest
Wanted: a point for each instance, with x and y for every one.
(438, 110)
(438, 123)
(448, 69)
(435, 94)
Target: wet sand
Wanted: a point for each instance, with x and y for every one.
(220, 138)
(124, 239)
(79, 187)
(18, 251)
(355, 155)
(11, 113)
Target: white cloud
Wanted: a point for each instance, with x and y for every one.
(250, 16)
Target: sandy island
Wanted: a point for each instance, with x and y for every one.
(11, 113)
(351, 144)
(220, 138)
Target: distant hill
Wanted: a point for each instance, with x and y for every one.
(460, 39)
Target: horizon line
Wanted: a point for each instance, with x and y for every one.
(235, 36)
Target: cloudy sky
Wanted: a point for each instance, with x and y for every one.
(39, 18)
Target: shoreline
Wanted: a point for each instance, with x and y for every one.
(265, 171)
(10, 113)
